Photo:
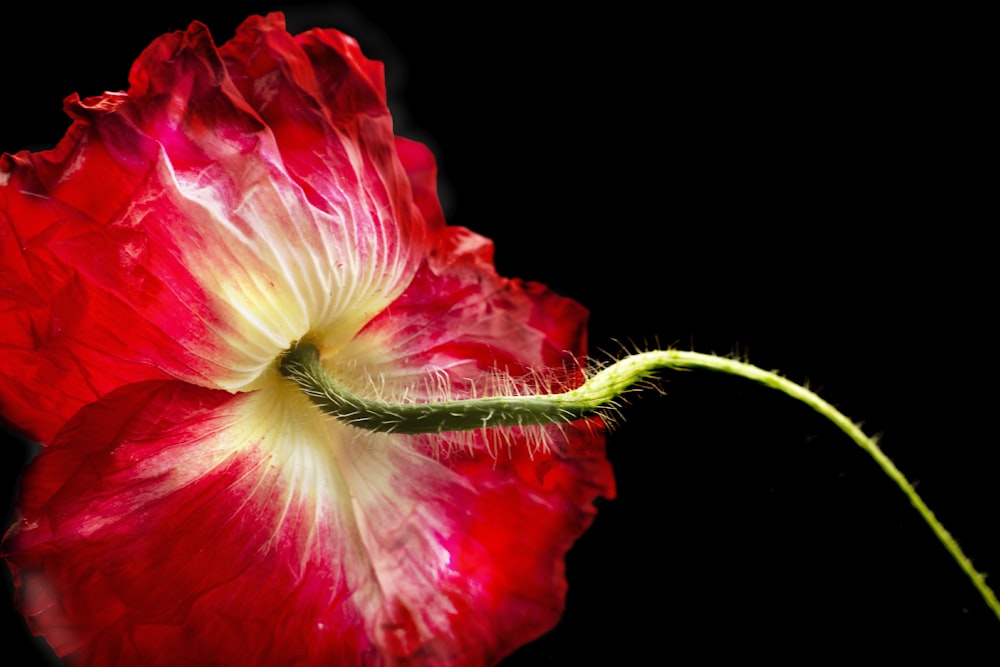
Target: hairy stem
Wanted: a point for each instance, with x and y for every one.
(598, 393)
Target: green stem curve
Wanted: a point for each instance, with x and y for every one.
(597, 394)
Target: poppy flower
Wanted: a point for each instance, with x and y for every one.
(191, 505)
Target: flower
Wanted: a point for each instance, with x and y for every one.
(192, 506)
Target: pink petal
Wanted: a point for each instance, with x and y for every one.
(182, 236)
(233, 201)
(170, 524)
(459, 317)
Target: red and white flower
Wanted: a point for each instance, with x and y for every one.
(192, 506)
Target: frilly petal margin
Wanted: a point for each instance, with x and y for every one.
(170, 524)
(194, 507)
(459, 317)
(233, 200)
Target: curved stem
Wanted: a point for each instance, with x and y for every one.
(598, 393)
(814, 401)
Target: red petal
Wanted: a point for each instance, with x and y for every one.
(458, 315)
(170, 524)
(182, 236)
(421, 168)
(233, 201)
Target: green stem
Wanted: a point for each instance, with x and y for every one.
(597, 394)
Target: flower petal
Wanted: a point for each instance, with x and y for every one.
(486, 334)
(232, 202)
(196, 507)
(171, 524)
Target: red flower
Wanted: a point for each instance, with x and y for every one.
(193, 507)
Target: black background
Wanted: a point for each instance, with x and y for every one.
(795, 187)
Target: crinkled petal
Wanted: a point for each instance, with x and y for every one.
(421, 169)
(232, 202)
(196, 508)
(171, 524)
(460, 330)
(459, 323)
